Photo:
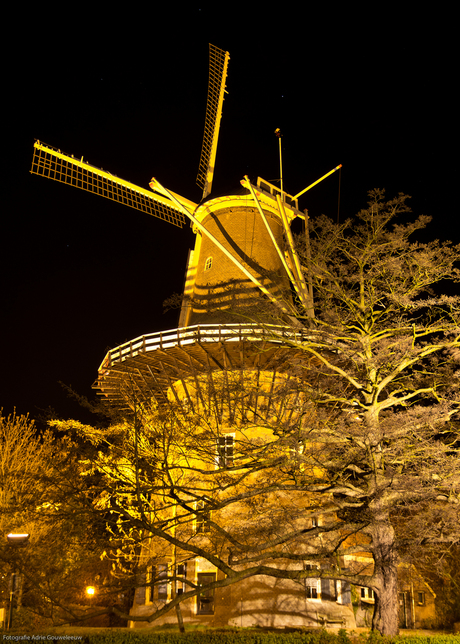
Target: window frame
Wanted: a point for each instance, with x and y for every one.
(311, 592)
(181, 576)
(225, 451)
(367, 593)
(421, 598)
(312, 584)
(203, 518)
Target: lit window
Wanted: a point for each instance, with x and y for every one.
(225, 446)
(208, 264)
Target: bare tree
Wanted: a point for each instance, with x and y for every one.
(386, 340)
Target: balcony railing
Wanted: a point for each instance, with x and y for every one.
(184, 336)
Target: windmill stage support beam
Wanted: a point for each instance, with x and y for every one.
(272, 237)
(294, 257)
(316, 182)
(310, 281)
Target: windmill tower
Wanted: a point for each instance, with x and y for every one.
(244, 255)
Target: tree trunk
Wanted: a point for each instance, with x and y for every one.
(385, 618)
(180, 620)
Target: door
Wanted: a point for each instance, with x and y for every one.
(404, 610)
(205, 600)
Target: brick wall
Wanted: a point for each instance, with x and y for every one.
(220, 286)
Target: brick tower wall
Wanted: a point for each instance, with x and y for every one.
(222, 293)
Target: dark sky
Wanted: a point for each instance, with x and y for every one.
(128, 92)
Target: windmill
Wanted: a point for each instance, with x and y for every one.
(218, 362)
(239, 251)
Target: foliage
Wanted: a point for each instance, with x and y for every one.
(256, 637)
(24, 458)
(43, 494)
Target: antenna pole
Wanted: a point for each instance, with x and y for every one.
(278, 134)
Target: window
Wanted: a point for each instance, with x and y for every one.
(181, 574)
(311, 583)
(140, 593)
(367, 594)
(314, 522)
(225, 446)
(205, 600)
(421, 598)
(162, 570)
(203, 518)
(208, 264)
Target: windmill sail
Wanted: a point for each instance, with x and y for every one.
(53, 164)
(218, 65)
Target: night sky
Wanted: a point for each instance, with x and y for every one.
(81, 274)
